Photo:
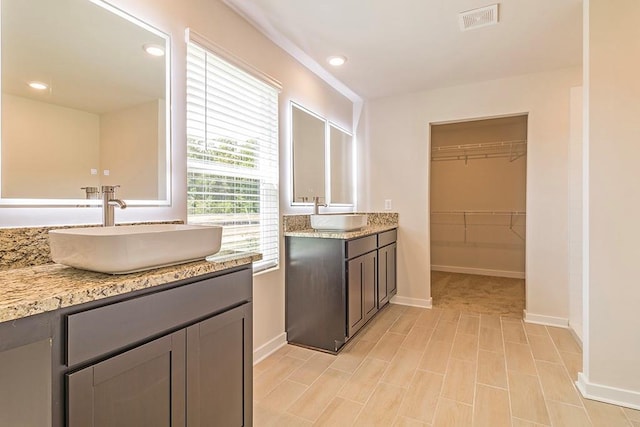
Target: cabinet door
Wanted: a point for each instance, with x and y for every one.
(386, 274)
(219, 370)
(356, 315)
(391, 269)
(25, 385)
(141, 387)
(361, 290)
(370, 284)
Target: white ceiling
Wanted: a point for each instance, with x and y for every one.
(403, 46)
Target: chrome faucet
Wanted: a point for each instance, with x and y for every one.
(108, 202)
(316, 204)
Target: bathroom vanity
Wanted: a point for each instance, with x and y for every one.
(165, 347)
(336, 282)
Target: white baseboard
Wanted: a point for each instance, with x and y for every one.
(479, 271)
(575, 335)
(541, 319)
(607, 394)
(264, 351)
(413, 302)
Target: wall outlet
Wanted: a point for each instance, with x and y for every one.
(94, 171)
(387, 204)
(105, 172)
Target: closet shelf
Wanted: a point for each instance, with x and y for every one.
(515, 213)
(464, 214)
(512, 150)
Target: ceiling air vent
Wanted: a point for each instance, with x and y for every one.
(477, 18)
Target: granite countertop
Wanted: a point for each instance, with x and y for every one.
(345, 235)
(33, 290)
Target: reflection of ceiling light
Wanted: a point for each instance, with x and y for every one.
(153, 49)
(337, 61)
(38, 85)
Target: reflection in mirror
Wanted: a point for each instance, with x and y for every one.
(308, 146)
(102, 118)
(341, 174)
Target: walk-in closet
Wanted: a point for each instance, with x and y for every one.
(478, 215)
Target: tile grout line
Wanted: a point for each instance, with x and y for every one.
(431, 339)
(506, 371)
(415, 371)
(364, 404)
(584, 408)
(446, 370)
(475, 382)
(544, 394)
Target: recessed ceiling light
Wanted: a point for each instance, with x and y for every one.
(153, 49)
(337, 60)
(38, 85)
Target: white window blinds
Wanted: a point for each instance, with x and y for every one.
(232, 154)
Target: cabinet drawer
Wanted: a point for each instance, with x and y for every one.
(360, 246)
(387, 237)
(116, 326)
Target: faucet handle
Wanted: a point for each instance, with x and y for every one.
(109, 188)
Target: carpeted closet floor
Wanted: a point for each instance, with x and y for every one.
(480, 294)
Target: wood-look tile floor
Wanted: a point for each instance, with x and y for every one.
(433, 367)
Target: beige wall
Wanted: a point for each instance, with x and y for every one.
(488, 246)
(575, 213)
(129, 151)
(61, 140)
(611, 341)
(398, 146)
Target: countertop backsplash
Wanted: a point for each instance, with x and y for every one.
(292, 223)
(29, 246)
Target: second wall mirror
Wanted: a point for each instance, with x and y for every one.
(322, 160)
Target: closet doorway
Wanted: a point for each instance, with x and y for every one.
(478, 215)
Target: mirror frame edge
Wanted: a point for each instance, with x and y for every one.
(299, 106)
(167, 201)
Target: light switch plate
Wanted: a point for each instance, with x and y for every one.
(387, 204)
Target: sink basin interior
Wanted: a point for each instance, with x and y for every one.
(338, 222)
(131, 248)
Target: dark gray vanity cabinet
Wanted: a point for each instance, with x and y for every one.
(333, 286)
(178, 354)
(197, 373)
(194, 377)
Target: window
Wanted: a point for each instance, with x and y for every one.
(232, 154)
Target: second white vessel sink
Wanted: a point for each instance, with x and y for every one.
(338, 222)
(131, 248)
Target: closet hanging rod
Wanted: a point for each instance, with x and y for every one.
(481, 145)
(513, 150)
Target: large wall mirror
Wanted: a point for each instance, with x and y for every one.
(308, 142)
(322, 160)
(101, 116)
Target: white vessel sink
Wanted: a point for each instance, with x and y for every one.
(338, 222)
(131, 248)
